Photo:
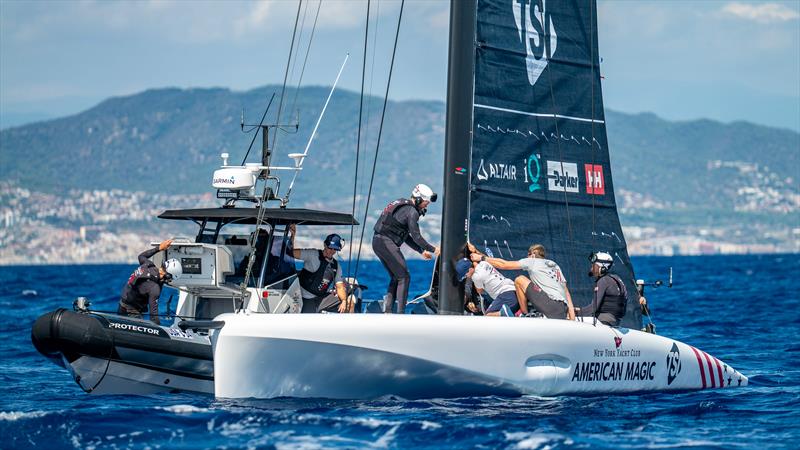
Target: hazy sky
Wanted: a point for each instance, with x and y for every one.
(725, 60)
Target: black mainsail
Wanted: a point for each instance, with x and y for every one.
(526, 158)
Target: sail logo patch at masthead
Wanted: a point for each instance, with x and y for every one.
(595, 182)
(562, 176)
(536, 30)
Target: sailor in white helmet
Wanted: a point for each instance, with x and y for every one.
(143, 288)
(398, 225)
(610, 295)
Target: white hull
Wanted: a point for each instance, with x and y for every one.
(418, 356)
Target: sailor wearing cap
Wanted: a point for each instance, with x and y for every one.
(322, 273)
(398, 225)
(610, 296)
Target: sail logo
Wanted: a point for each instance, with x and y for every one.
(673, 363)
(533, 169)
(536, 30)
(595, 183)
(496, 171)
(562, 177)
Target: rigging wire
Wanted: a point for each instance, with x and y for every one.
(570, 236)
(285, 77)
(358, 138)
(299, 40)
(262, 209)
(380, 132)
(594, 248)
(308, 51)
(591, 34)
(376, 26)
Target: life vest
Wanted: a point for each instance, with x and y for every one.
(614, 304)
(318, 282)
(390, 227)
(147, 271)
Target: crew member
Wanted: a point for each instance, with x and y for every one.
(398, 224)
(546, 289)
(610, 296)
(144, 285)
(486, 278)
(321, 272)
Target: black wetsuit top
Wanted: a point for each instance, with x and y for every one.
(144, 286)
(612, 298)
(406, 215)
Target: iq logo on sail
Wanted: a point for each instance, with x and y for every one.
(534, 26)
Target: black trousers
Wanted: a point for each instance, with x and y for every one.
(395, 263)
(127, 310)
(329, 303)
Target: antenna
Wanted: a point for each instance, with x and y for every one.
(299, 158)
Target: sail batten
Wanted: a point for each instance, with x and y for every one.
(539, 164)
(533, 114)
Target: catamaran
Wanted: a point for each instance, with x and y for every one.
(526, 160)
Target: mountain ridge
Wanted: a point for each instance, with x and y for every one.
(134, 142)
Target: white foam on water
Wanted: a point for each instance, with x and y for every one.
(539, 441)
(182, 409)
(430, 425)
(12, 416)
(371, 422)
(386, 439)
(284, 441)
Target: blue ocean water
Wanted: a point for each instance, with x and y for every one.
(742, 309)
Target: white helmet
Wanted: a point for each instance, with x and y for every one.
(173, 268)
(603, 260)
(424, 192)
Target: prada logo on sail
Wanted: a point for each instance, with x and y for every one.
(496, 171)
(562, 176)
(536, 30)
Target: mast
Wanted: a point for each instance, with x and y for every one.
(458, 138)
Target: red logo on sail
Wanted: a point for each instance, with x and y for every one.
(595, 183)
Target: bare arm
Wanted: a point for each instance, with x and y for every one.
(498, 263)
(570, 307)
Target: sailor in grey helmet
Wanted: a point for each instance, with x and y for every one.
(610, 295)
(398, 225)
(143, 288)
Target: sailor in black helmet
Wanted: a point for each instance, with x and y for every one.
(398, 225)
(321, 273)
(144, 285)
(610, 296)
